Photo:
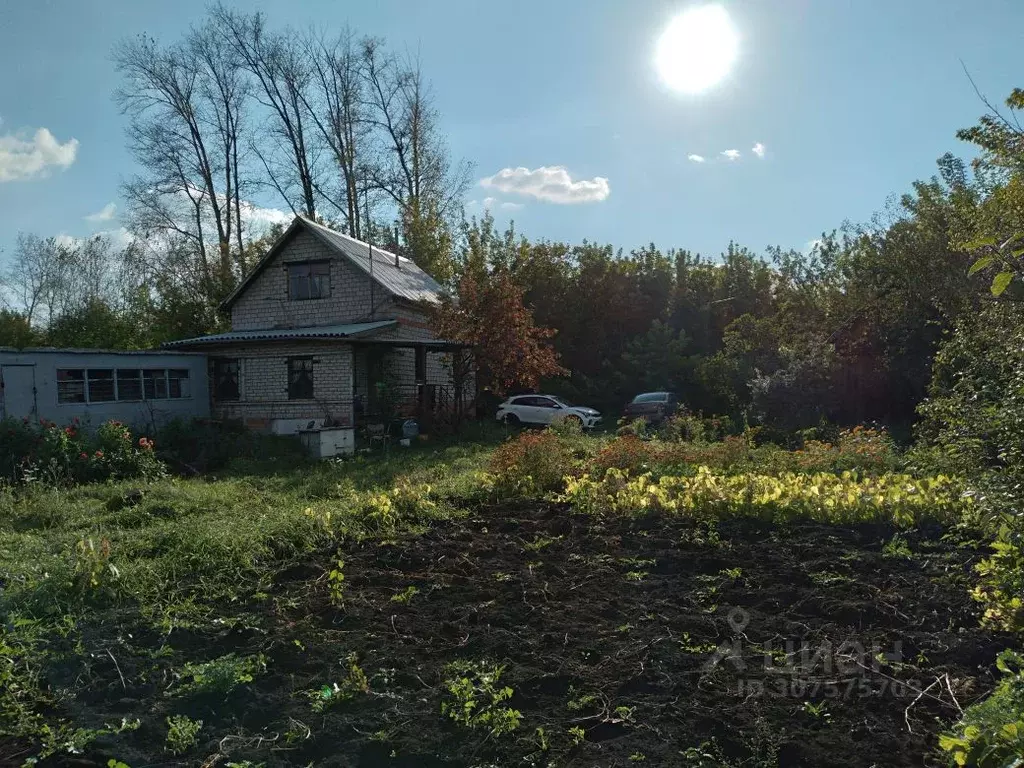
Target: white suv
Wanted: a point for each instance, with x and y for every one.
(545, 409)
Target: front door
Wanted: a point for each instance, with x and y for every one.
(18, 391)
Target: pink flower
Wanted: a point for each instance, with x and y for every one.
(99, 454)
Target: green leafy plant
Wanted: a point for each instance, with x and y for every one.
(354, 683)
(577, 735)
(1000, 586)
(405, 596)
(182, 733)
(476, 700)
(991, 733)
(219, 676)
(336, 583)
(897, 547)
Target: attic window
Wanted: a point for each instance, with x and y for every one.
(309, 280)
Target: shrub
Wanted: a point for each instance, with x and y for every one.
(1001, 586)
(991, 733)
(54, 455)
(533, 462)
(625, 452)
(824, 497)
(199, 445)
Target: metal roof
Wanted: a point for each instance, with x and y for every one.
(286, 334)
(85, 351)
(397, 275)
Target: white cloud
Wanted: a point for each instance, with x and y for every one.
(758, 149)
(119, 238)
(695, 158)
(257, 221)
(489, 202)
(731, 154)
(106, 213)
(552, 184)
(27, 157)
(512, 206)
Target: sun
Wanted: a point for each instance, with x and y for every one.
(697, 49)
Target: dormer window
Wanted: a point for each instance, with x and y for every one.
(309, 280)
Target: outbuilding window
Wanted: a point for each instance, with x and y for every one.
(101, 385)
(70, 385)
(106, 385)
(129, 384)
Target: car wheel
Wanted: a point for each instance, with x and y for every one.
(511, 419)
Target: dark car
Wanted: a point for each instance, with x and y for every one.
(653, 407)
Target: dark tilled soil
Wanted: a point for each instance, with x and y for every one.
(667, 643)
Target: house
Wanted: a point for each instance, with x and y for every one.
(94, 385)
(330, 331)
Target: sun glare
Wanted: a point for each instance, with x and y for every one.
(697, 49)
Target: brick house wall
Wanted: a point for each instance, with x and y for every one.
(265, 303)
(263, 383)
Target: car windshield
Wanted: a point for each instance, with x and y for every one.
(651, 397)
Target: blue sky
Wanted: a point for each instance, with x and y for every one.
(852, 100)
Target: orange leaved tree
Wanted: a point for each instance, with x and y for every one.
(503, 346)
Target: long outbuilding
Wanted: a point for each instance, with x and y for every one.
(95, 385)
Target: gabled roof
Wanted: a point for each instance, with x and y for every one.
(349, 330)
(395, 274)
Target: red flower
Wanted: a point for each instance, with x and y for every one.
(145, 443)
(84, 455)
(99, 454)
(69, 431)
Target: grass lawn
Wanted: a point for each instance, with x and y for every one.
(409, 610)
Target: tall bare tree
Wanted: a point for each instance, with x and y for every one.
(416, 170)
(187, 104)
(280, 67)
(337, 106)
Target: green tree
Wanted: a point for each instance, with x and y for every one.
(15, 330)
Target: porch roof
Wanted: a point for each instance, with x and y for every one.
(347, 331)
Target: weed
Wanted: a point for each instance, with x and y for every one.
(625, 714)
(541, 542)
(897, 547)
(542, 739)
(219, 676)
(637, 757)
(578, 702)
(476, 700)
(819, 711)
(577, 735)
(182, 733)
(689, 646)
(405, 596)
(636, 575)
(336, 583)
(355, 682)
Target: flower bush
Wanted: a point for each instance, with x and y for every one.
(865, 450)
(533, 462)
(63, 455)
